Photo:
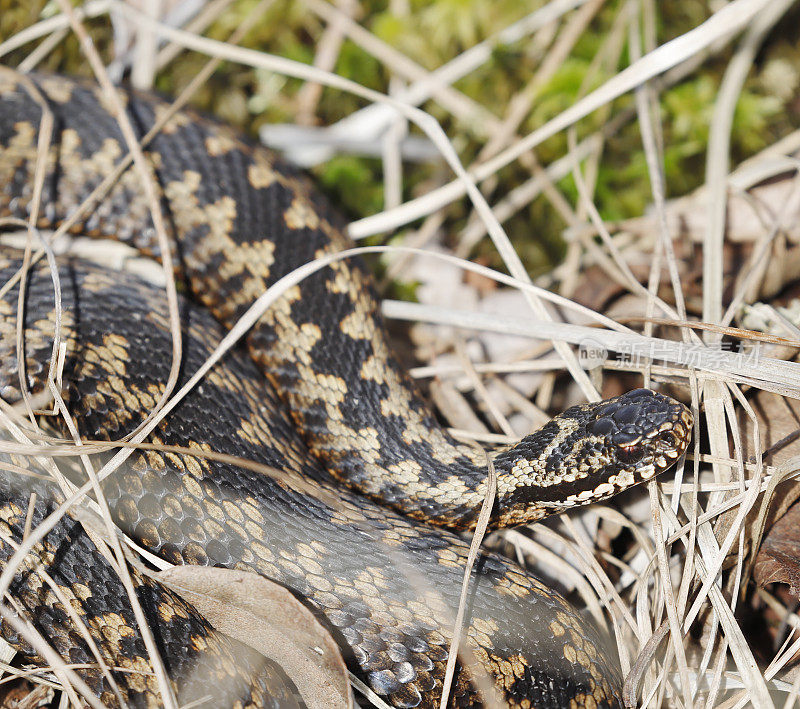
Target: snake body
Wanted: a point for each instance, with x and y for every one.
(85, 580)
(336, 405)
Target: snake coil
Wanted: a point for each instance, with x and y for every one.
(315, 393)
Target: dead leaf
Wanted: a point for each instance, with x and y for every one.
(778, 421)
(778, 560)
(596, 289)
(748, 213)
(265, 616)
(779, 424)
(483, 284)
(21, 694)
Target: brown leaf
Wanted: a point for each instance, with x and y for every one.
(596, 290)
(778, 421)
(265, 616)
(779, 425)
(778, 560)
(21, 694)
(745, 212)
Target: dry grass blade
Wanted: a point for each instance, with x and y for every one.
(643, 349)
(482, 391)
(420, 118)
(723, 24)
(642, 665)
(364, 689)
(93, 8)
(474, 547)
(373, 120)
(148, 181)
(654, 590)
(69, 678)
(676, 636)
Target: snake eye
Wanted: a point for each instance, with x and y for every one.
(630, 454)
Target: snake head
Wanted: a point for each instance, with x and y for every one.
(642, 433)
(589, 453)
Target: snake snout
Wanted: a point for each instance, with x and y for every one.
(645, 430)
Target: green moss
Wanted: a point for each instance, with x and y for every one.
(356, 182)
(432, 33)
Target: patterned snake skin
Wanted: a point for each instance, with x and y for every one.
(335, 405)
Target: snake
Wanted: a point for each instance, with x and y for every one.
(373, 541)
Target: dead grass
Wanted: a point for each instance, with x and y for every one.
(678, 571)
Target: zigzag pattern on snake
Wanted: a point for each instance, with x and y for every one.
(341, 407)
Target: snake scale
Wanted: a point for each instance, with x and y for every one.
(314, 391)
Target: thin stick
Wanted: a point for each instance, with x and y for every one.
(474, 547)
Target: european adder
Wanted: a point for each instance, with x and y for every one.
(315, 392)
